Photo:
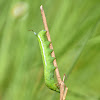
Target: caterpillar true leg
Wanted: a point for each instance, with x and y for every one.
(57, 84)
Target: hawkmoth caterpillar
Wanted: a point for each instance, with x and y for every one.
(47, 60)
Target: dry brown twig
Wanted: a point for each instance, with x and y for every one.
(60, 82)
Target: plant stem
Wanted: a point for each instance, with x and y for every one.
(61, 83)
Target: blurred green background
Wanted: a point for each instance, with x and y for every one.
(74, 27)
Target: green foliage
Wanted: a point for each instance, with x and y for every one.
(74, 27)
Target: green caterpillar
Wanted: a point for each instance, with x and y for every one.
(47, 60)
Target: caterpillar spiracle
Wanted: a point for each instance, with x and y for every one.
(47, 60)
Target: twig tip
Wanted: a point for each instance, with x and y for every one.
(41, 7)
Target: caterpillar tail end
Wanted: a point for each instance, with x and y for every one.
(35, 33)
